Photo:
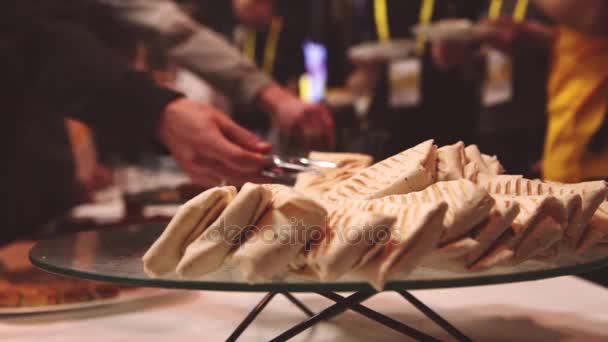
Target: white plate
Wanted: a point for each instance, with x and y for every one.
(382, 51)
(461, 30)
(125, 296)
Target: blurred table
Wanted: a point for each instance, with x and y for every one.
(565, 308)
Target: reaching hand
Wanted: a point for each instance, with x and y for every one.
(312, 125)
(509, 36)
(209, 146)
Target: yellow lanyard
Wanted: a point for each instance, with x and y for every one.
(519, 14)
(426, 15)
(272, 43)
(382, 21)
(381, 16)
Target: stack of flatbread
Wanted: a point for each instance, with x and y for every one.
(449, 207)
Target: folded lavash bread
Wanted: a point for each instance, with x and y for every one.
(597, 232)
(352, 238)
(462, 254)
(451, 161)
(592, 195)
(347, 164)
(501, 219)
(538, 227)
(478, 163)
(317, 186)
(208, 252)
(188, 224)
(414, 236)
(280, 235)
(411, 170)
(468, 205)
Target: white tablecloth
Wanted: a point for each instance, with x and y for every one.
(563, 309)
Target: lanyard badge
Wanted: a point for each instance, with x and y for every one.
(498, 86)
(404, 75)
(271, 47)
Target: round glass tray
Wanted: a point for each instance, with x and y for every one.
(114, 255)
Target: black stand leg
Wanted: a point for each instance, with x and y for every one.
(352, 302)
(432, 315)
(250, 317)
(298, 303)
(324, 315)
(382, 319)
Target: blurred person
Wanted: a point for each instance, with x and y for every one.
(206, 54)
(511, 64)
(577, 135)
(56, 64)
(414, 100)
(266, 37)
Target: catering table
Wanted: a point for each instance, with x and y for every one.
(564, 308)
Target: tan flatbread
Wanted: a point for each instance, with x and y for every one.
(597, 231)
(502, 255)
(544, 235)
(318, 186)
(493, 165)
(279, 236)
(451, 161)
(468, 205)
(417, 236)
(352, 237)
(347, 165)
(411, 170)
(208, 252)
(532, 232)
(453, 251)
(343, 160)
(592, 195)
(187, 225)
(500, 219)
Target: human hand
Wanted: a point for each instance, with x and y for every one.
(209, 146)
(508, 36)
(312, 125)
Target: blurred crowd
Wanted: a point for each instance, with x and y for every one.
(222, 84)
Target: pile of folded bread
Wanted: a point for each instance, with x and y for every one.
(425, 206)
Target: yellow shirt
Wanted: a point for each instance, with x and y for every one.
(578, 101)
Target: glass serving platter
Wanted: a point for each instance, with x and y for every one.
(114, 255)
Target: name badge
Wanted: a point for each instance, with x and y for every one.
(498, 86)
(405, 79)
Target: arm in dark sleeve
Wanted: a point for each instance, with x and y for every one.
(71, 73)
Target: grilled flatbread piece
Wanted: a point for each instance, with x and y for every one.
(353, 236)
(188, 224)
(592, 195)
(479, 163)
(544, 235)
(500, 219)
(417, 234)
(531, 233)
(468, 205)
(279, 236)
(451, 161)
(597, 232)
(411, 170)
(207, 253)
(347, 165)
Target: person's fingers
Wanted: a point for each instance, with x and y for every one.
(243, 137)
(216, 146)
